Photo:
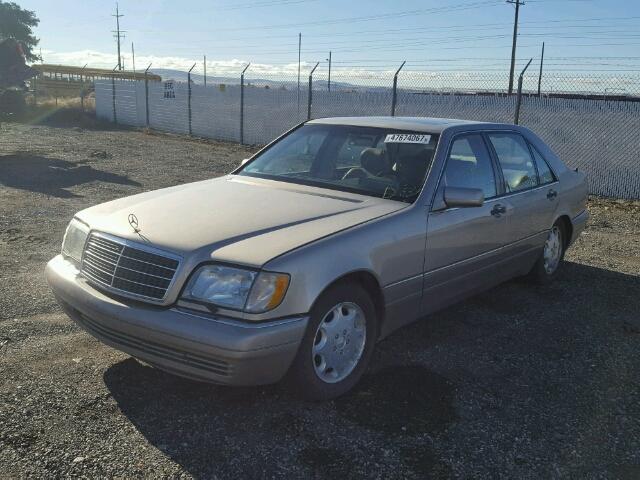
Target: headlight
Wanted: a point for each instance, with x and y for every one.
(237, 288)
(74, 240)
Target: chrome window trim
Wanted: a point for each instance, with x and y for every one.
(484, 132)
(138, 246)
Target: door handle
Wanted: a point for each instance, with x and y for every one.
(498, 210)
(552, 194)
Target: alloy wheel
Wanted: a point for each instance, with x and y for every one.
(339, 342)
(553, 250)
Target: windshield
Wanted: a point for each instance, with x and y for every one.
(379, 162)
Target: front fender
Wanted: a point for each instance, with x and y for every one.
(389, 248)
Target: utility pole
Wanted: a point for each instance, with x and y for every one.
(329, 78)
(133, 58)
(118, 34)
(299, 50)
(540, 76)
(205, 70)
(517, 3)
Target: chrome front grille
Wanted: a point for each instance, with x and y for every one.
(126, 267)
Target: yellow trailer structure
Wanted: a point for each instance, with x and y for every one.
(72, 81)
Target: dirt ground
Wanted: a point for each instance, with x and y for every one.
(520, 382)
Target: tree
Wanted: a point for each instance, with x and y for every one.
(17, 23)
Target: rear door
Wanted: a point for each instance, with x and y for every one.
(533, 204)
(463, 244)
(548, 186)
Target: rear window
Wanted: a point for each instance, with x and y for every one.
(515, 160)
(544, 171)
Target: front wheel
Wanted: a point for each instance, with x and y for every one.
(547, 266)
(337, 345)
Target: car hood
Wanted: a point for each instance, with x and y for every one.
(234, 218)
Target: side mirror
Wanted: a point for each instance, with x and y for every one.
(245, 160)
(463, 197)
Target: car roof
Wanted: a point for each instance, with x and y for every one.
(418, 124)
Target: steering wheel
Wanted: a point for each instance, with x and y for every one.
(355, 172)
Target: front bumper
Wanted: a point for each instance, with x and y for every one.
(185, 343)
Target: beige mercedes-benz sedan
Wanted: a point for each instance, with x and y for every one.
(325, 241)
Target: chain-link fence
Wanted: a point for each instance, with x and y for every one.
(592, 122)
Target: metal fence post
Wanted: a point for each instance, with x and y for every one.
(394, 98)
(189, 95)
(146, 94)
(540, 76)
(310, 99)
(242, 104)
(519, 99)
(113, 98)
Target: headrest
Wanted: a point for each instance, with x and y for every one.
(412, 168)
(375, 161)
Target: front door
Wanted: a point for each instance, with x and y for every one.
(463, 244)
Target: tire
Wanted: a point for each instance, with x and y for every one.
(328, 364)
(548, 264)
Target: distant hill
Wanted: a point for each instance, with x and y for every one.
(181, 76)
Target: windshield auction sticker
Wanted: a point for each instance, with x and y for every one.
(407, 138)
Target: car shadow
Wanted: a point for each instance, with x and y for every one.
(266, 432)
(52, 176)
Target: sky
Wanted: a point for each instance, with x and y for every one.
(363, 35)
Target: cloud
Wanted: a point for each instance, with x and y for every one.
(234, 66)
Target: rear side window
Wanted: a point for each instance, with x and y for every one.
(469, 166)
(515, 159)
(544, 172)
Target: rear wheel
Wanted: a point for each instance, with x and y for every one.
(337, 345)
(547, 266)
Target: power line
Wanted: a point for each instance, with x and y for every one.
(432, 40)
(403, 47)
(368, 18)
(418, 30)
(266, 3)
(401, 43)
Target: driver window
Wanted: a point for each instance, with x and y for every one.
(469, 166)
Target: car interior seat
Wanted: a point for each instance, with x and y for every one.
(376, 162)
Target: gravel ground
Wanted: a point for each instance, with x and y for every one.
(519, 382)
